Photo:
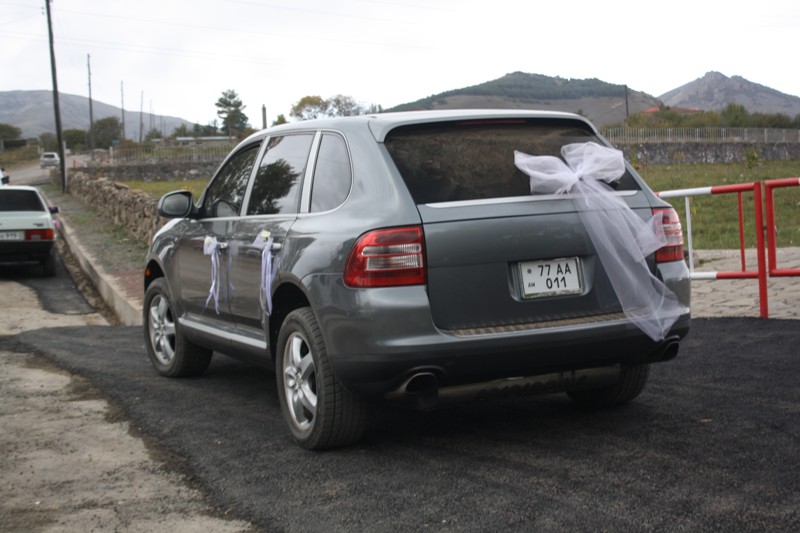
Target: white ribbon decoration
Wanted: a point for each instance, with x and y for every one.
(622, 239)
(211, 247)
(264, 241)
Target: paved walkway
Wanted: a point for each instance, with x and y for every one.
(715, 298)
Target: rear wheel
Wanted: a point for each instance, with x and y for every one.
(319, 411)
(170, 351)
(631, 383)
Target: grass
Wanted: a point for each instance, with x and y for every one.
(160, 188)
(715, 219)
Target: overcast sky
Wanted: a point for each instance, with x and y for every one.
(175, 57)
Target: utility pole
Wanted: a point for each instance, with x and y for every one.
(56, 106)
(91, 110)
(263, 116)
(141, 116)
(122, 106)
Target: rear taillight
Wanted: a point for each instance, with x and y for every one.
(673, 250)
(39, 234)
(387, 258)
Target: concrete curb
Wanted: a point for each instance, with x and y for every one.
(128, 313)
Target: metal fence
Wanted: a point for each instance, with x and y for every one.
(175, 154)
(619, 136)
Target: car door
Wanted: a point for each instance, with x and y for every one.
(205, 291)
(257, 246)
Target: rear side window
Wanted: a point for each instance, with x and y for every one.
(332, 174)
(474, 160)
(18, 200)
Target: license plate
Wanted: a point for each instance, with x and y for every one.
(12, 235)
(554, 277)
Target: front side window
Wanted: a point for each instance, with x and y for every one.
(332, 174)
(474, 160)
(225, 194)
(276, 188)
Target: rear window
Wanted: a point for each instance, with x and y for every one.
(17, 200)
(474, 160)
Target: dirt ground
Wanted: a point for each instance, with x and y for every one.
(67, 461)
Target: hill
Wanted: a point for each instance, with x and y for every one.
(714, 91)
(32, 112)
(601, 102)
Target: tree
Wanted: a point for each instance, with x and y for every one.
(9, 132)
(282, 120)
(230, 110)
(181, 131)
(48, 142)
(154, 133)
(106, 131)
(309, 107)
(735, 116)
(75, 139)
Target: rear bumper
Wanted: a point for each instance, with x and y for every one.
(392, 337)
(22, 251)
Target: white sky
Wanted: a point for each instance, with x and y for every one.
(175, 57)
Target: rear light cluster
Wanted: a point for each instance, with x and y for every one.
(673, 250)
(39, 234)
(387, 258)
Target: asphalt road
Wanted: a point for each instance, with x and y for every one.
(711, 445)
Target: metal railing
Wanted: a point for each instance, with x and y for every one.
(176, 154)
(766, 255)
(619, 136)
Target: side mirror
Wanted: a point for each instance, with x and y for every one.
(53, 209)
(176, 204)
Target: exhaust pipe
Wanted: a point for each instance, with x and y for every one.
(423, 387)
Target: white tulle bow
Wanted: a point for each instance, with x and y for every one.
(620, 237)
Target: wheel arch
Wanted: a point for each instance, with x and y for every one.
(152, 271)
(286, 298)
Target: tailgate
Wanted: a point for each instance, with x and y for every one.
(512, 263)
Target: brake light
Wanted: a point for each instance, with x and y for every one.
(673, 250)
(387, 258)
(39, 234)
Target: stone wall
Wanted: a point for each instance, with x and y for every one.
(689, 153)
(154, 172)
(129, 208)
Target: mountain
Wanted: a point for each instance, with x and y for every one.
(32, 112)
(601, 102)
(715, 91)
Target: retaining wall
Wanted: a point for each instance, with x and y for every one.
(129, 208)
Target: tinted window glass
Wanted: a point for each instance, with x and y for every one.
(277, 185)
(18, 200)
(331, 174)
(225, 194)
(475, 160)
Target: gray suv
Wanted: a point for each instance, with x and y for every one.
(403, 255)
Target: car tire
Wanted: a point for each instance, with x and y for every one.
(49, 266)
(631, 383)
(320, 412)
(171, 353)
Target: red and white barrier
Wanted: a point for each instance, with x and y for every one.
(761, 273)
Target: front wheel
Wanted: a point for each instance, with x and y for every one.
(319, 411)
(170, 351)
(631, 383)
